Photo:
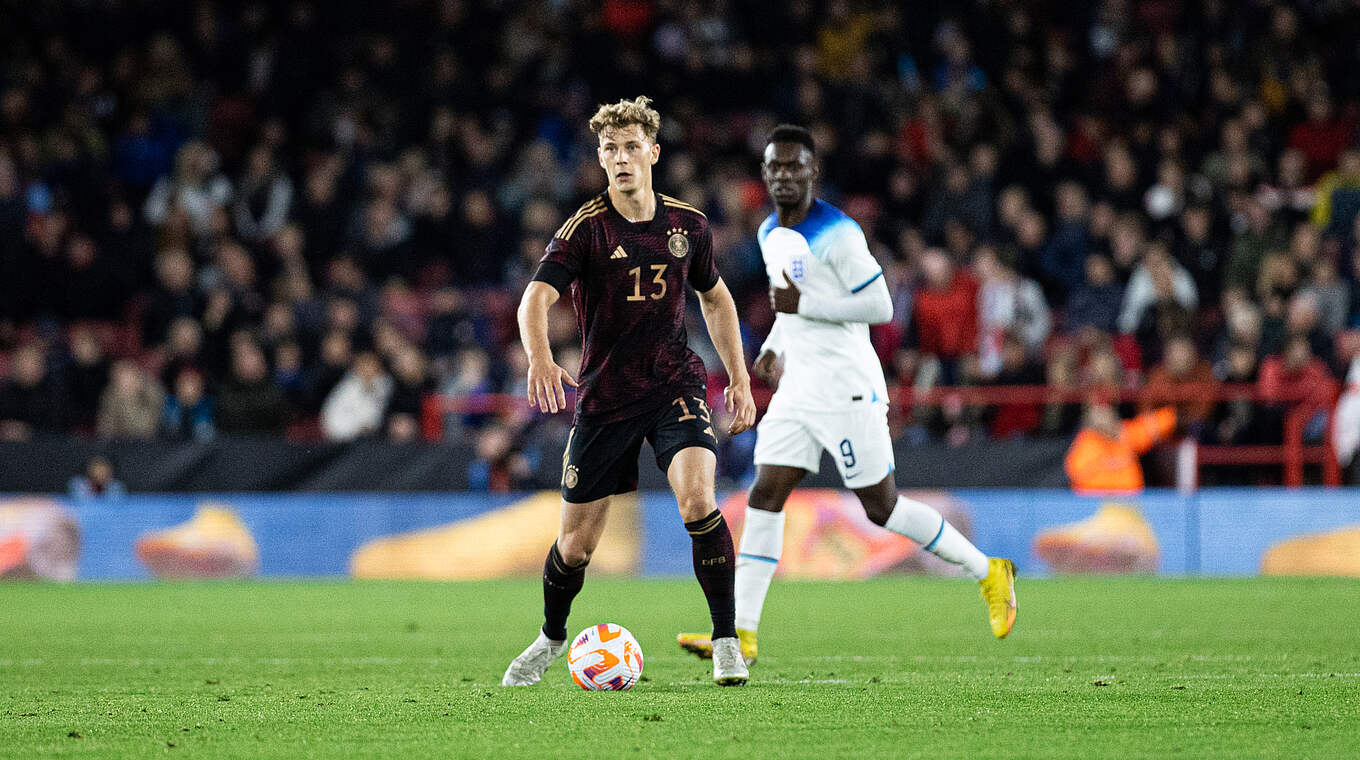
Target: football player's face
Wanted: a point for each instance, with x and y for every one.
(789, 171)
(627, 157)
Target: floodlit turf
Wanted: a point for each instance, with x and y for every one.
(890, 668)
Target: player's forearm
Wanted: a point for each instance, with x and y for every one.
(720, 314)
(533, 320)
(872, 305)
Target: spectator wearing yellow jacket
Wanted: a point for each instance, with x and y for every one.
(1338, 195)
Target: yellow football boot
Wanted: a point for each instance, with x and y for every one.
(698, 644)
(998, 591)
(748, 645)
(701, 644)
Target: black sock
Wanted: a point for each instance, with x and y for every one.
(715, 565)
(561, 584)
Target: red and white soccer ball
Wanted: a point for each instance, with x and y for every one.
(605, 657)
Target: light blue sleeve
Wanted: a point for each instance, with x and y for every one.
(866, 298)
(849, 256)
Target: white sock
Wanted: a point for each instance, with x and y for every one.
(762, 541)
(924, 525)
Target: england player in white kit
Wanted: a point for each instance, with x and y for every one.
(831, 394)
(826, 289)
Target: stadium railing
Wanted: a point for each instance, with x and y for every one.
(1300, 405)
(1292, 455)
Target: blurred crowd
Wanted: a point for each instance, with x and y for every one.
(302, 218)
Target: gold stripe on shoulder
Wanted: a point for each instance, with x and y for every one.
(589, 206)
(683, 207)
(585, 208)
(571, 229)
(593, 203)
(676, 203)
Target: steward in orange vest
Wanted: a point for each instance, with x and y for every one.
(1104, 456)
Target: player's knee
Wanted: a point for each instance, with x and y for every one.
(764, 496)
(574, 551)
(696, 506)
(575, 557)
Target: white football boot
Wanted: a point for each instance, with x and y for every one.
(528, 668)
(729, 667)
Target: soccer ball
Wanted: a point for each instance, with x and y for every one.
(605, 657)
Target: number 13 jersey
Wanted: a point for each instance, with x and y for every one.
(627, 282)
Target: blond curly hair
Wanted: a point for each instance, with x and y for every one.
(626, 113)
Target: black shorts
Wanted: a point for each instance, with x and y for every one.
(601, 459)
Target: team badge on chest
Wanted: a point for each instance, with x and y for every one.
(677, 243)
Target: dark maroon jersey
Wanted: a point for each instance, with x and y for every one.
(628, 283)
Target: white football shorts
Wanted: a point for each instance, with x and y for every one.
(857, 439)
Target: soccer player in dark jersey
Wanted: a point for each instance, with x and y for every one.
(626, 257)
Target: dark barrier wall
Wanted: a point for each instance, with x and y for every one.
(1016, 463)
(245, 465)
(240, 465)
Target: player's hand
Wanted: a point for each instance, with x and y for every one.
(767, 368)
(785, 300)
(545, 386)
(741, 405)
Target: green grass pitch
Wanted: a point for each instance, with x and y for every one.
(902, 667)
